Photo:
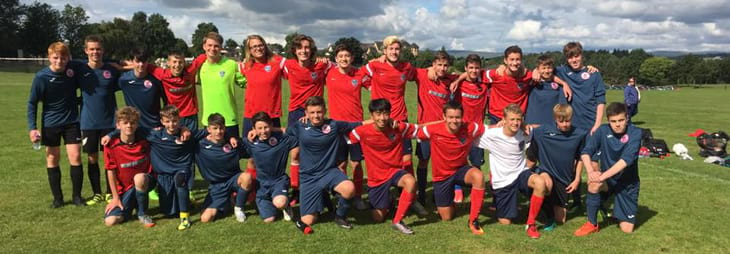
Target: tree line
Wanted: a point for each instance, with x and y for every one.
(33, 27)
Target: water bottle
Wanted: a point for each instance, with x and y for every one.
(37, 143)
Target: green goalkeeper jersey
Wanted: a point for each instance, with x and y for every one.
(217, 82)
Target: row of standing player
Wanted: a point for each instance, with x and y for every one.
(259, 53)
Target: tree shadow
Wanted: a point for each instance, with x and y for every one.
(638, 122)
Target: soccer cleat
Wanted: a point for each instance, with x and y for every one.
(532, 231)
(95, 200)
(184, 224)
(419, 209)
(57, 203)
(587, 229)
(476, 228)
(153, 195)
(401, 227)
(78, 201)
(458, 196)
(287, 213)
(146, 221)
(306, 229)
(240, 215)
(108, 198)
(549, 226)
(342, 222)
(191, 195)
(360, 204)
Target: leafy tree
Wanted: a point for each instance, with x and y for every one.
(354, 46)
(656, 71)
(73, 19)
(200, 32)
(11, 12)
(180, 46)
(276, 48)
(287, 48)
(39, 28)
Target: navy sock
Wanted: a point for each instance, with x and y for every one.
(142, 201)
(421, 174)
(241, 197)
(593, 203)
(343, 205)
(77, 180)
(54, 180)
(94, 177)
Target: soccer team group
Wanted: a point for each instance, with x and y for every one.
(545, 127)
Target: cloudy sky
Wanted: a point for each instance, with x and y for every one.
(485, 25)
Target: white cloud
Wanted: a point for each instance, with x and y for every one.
(456, 44)
(525, 30)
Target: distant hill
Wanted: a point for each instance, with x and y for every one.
(674, 54)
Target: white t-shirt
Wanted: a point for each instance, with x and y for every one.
(506, 155)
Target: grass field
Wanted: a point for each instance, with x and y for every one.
(682, 203)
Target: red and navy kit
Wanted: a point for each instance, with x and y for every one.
(389, 82)
(218, 162)
(343, 94)
(180, 91)
(304, 81)
(319, 145)
(383, 150)
(588, 91)
(144, 94)
(432, 95)
(271, 156)
(128, 160)
(263, 90)
(57, 91)
(449, 151)
(97, 92)
(505, 90)
(474, 96)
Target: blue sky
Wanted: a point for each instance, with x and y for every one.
(486, 25)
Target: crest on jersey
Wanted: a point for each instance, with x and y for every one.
(403, 77)
(222, 73)
(391, 136)
(69, 73)
(625, 139)
(273, 141)
(462, 140)
(554, 85)
(314, 75)
(354, 82)
(227, 148)
(522, 145)
(107, 74)
(326, 129)
(267, 68)
(147, 83)
(585, 75)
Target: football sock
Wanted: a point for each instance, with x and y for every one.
(294, 174)
(477, 199)
(94, 177)
(357, 179)
(343, 205)
(422, 182)
(54, 180)
(406, 198)
(593, 203)
(142, 201)
(535, 206)
(77, 180)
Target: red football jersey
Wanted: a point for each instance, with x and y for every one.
(304, 82)
(432, 96)
(128, 160)
(180, 91)
(474, 99)
(449, 151)
(263, 90)
(506, 90)
(389, 82)
(344, 95)
(383, 150)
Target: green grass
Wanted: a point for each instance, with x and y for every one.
(682, 203)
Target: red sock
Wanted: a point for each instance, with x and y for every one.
(357, 180)
(408, 166)
(294, 174)
(406, 198)
(477, 198)
(252, 195)
(535, 204)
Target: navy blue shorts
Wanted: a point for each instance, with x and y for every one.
(557, 196)
(626, 200)
(294, 116)
(505, 199)
(191, 122)
(219, 194)
(443, 191)
(379, 196)
(51, 136)
(248, 124)
(493, 119)
(167, 191)
(266, 192)
(310, 190)
(91, 140)
(353, 150)
(129, 201)
(423, 150)
(476, 157)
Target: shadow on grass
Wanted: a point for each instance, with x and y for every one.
(638, 122)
